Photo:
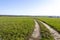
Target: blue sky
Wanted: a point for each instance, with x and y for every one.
(30, 7)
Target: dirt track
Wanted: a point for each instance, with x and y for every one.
(36, 33)
(54, 33)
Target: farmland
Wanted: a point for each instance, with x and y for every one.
(15, 28)
(45, 33)
(21, 28)
(53, 22)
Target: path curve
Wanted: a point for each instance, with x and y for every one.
(54, 33)
(36, 33)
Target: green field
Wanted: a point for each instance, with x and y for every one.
(53, 22)
(21, 28)
(15, 28)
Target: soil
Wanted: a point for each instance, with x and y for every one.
(36, 33)
(54, 33)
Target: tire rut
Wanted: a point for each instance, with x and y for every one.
(36, 33)
(54, 33)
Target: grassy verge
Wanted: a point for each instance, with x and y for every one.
(45, 34)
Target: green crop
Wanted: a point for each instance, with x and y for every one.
(15, 28)
(53, 22)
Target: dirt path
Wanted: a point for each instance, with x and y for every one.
(36, 33)
(55, 34)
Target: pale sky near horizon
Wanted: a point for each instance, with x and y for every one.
(30, 7)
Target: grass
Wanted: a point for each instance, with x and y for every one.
(15, 28)
(45, 34)
(53, 22)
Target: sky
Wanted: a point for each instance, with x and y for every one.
(30, 7)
